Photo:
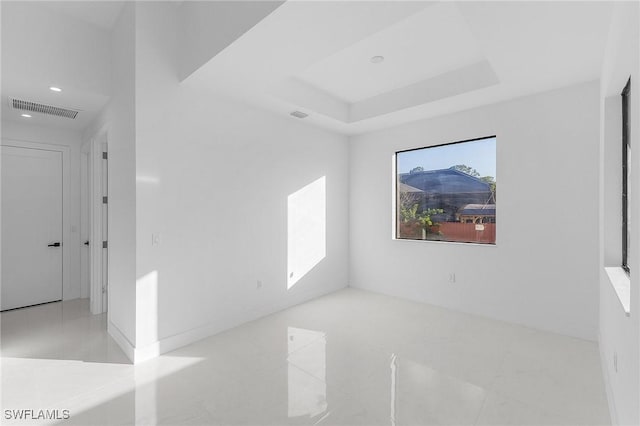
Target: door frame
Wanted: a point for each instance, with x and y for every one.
(85, 220)
(66, 191)
(96, 188)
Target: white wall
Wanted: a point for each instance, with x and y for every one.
(14, 131)
(213, 179)
(543, 271)
(620, 334)
(118, 120)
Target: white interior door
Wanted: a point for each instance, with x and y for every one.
(31, 226)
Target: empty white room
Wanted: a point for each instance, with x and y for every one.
(320, 212)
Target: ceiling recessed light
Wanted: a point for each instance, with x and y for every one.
(55, 89)
(377, 59)
(26, 115)
(299, 114)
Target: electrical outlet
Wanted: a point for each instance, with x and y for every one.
(155, 239)
(258, 285)
(452, 277)
(615, 362)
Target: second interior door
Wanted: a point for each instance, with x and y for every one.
(31, 226)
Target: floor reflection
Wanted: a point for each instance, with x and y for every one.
(60, 330)
(306, 373)
(350, 358)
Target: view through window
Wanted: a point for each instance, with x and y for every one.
(447, 192)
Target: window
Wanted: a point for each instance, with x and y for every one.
(447, 192)
(626, 153)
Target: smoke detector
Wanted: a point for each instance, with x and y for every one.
(57, 111)
(299, 114)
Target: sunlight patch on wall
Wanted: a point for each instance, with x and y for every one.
(306, 230)
(147, 308)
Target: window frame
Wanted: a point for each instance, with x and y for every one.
(626, 145)
(396, 226)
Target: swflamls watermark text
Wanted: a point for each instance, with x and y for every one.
(31, 414)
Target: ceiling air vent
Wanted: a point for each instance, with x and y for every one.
(42, 108)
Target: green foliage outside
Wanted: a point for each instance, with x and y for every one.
(425, 217)
(408, 213)
(466, 169)
(411, 213)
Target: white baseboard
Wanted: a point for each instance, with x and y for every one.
(575, 332)
(176, 341)
(122, 341)
(607, 385)
(179, 340)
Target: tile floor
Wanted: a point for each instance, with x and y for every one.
(349, 358)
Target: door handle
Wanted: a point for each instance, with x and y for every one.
(86, 243)
(54, 245)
